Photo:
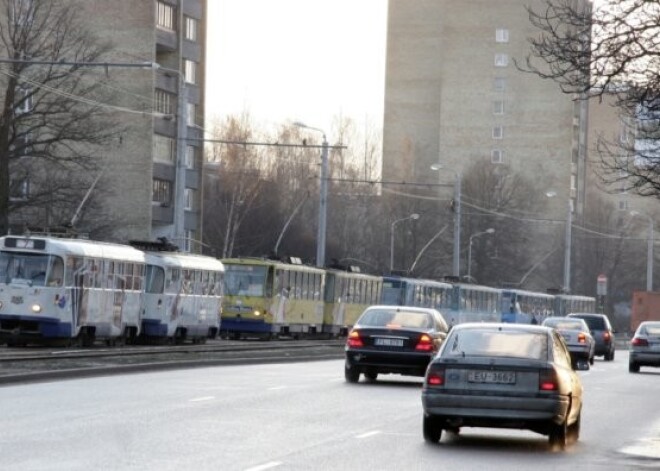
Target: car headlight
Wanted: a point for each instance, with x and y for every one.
(36, 308)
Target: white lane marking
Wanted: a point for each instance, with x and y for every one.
(368, 434)
(270, 464)
(276, 388)
(205, 398)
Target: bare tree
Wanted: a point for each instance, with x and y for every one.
(610, 53)
(52, 121)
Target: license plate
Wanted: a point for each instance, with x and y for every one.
(388, 342)
(496, 377)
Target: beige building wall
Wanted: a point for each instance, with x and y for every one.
(453, 95)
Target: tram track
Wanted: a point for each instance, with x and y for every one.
(22, 365)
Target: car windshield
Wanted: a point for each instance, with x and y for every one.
(565, 324)
(499, 343)
(395, 318)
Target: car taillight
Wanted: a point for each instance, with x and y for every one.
(606, 336)
(425, 344)
(582, 338)
(637, 342)
(548, 381)
(354, 340)
(435, 377)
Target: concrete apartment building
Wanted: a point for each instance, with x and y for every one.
(453, 95)
(151, 177)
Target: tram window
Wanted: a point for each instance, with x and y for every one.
(187, 282)
(55, 271)
(138, 275)
(155, 279)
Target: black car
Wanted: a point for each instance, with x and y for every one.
(601, 331)
(393, 340)
(516, 376)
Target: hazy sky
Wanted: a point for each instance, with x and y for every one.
(297, 60)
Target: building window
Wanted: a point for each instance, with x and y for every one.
(164, 16)
(190, 241)
(502, 35)
(498, 107)
(191, 114)
(19, 190)
(161, 192)
(164, 102)
(501, 60)
(499, 84)
(164, 149)
(623, 205)
(24, 99)
(191, 29)
(189, 196)
(190, 71)
(190, 157)
(497, 156)
(22, 13)
(498, 132)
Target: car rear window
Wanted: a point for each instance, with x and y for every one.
(594, 323)
(566, 324)
(651, 330)
(396, 318)
(499, 343)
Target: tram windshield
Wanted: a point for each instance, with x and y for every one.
(245, 280)
(33, 269)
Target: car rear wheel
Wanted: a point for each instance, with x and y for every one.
(633, 367)
(609, 356)
(574, 429)
(351, 374)
(371, 375)
(558, 435)
(432, 430)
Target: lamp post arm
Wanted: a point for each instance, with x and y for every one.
(419, 255)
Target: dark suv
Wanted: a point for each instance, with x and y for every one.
(602, 332)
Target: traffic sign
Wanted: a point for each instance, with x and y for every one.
(601, 285)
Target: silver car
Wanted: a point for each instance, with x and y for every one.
(577, 336)
(516, 376)
(645, 346)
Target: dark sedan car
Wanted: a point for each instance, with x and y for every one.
(645, 346)
(602, 332)
(503, 376)
(393, 339)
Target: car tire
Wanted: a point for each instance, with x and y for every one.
(558, 435)
(432, 430)
(574, 429)
(371, 376)
(352, 375)
(591, 360)
(633, 367)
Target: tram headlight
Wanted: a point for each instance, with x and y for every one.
(36, 308)
(257, 312)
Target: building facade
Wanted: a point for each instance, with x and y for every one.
(150, 176)
(454, 95)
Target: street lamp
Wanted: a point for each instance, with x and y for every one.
(567, 243)
(649, 252)
(323, 199)
(490, 230)
(457, 220)
(412, 216)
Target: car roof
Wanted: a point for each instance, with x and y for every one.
(505, 326)
(585, 314)
(396, 307)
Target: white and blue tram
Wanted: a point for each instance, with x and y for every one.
(69, 291)
(403, 291)
(474, 303)
(526, 307)
(567, 303)
(183, 297)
